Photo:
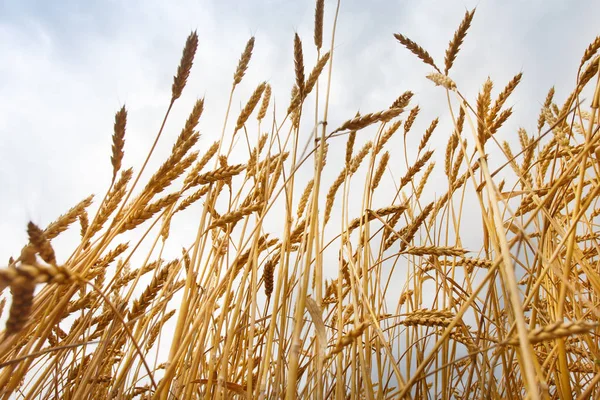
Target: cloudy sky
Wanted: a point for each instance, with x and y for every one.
(67, 66)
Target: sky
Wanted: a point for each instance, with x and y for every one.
(68, 66)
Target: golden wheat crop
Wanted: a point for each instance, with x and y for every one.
(364, 288)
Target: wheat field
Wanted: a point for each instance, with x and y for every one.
(318, 268)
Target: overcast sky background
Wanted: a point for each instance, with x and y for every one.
(68, 66)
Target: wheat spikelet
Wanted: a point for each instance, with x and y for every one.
(350, 147)
(274, 175)
(590, 51)
(299, 96)
(139, 216)
(523, 139)
(411, 119)
(391, 223)
(213, 213)
(560, 133)
(404, 297)
(331, 193)
(360, 156)
(218, 175)
(101, 322)
(35, 274)
(528, 156)
(348, 312)
(295, 101)
(368, 119)
(185, 66)
(294, 108)
(99, 275)
(155, 330)
(547, 102)
(101, 379)
(438, 251)
(370, 215)
(428, 318)
(43, 247)
(331, 289)
(273, 160)
(82, 303)
(458, 183)
(172, 168)
(441, 80)
(423, 181)
(296, 235)
(299, 64)
(507, 150)
(483, 106)
(348, 339)
(193, 174)
(158, 281)
(52, 340)
(111, 203)
(127, 277)
(414, 169)
(380, 170)
(268, 276)
(416, 50)
(428, 133)
(351, 169)
(504, 115)
(76, 371)
(118, 140)
(188, 129)
(241, 260)
(460, 121)
(22, 300)
(101, 264)
(254, 154)
(235, 216)
(319, 12)
(403, 100)
(191, 199)
(588, 236)
(457, 40)
(264, 105)
(584, 78)
(223, 163)
(262, 141)
(502, 97)
(63, 222)
(304, 198)
(450, 148)
(457, 163)
(250, 106)
(244, 61)
(408, 233)
(175, 172)
(558, 329)
(257, 195)
(471, 263)
(84, 222)
(314, 74)
(386, 136)
(463, 337)
(22, 282)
